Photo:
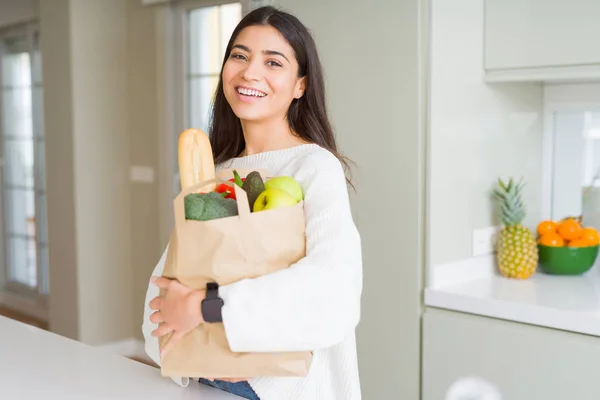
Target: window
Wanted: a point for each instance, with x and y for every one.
(572, 152)
(24, 262)
(591, 149)
(206, 29)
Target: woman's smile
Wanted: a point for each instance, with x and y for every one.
(248, 94)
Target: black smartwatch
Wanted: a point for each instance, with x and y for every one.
(212, 304)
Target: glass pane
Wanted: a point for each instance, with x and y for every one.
(591, 183)
(201, 96)
(204, 42)
(15, 62)
(22, 261)
(20, 208)
(568, 156)
(44, 279)
(231, 14)
(18, 155)
(16, 112)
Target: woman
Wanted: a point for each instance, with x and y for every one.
(269, 112)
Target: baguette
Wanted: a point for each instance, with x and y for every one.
(196, 163)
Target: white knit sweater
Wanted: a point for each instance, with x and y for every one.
(316, 301)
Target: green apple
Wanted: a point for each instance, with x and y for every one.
(287, 184)
(273, 198)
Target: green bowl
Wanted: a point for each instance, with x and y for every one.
(566, 260)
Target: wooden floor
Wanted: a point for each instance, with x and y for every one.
(22, 318)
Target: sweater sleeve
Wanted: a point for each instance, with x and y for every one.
(314, 303)
(151, 345)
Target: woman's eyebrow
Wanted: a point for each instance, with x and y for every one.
(275, 53)
(241, 46)
(267, 52)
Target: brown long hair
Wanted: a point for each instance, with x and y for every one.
(306, 116)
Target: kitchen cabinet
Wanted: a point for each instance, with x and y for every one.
(523, 361)
(541, 40)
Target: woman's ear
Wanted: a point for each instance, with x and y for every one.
(300, 87)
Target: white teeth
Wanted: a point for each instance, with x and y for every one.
(249, 92)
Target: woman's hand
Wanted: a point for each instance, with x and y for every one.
(179, 309)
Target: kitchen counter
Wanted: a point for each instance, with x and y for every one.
(37, 364)
(570, 303)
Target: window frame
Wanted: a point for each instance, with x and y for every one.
(19, 297)
(567, 97)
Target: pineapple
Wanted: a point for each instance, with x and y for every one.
(517, 253)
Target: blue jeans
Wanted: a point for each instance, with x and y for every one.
(242, 389)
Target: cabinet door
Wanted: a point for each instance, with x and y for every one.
(541, 33)
(525, 362)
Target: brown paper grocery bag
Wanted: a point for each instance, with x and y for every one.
(226, 250)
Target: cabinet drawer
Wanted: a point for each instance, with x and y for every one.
(525, 362)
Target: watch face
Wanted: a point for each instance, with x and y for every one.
(211, 310)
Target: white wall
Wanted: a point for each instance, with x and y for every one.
(84, 47)
(101, 151)
(58, 128)
(478, 133)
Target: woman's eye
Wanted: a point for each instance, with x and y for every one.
(238, 56)
(273, 64)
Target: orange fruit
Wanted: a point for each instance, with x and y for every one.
(552, 239)
(569, 229)
(580, 242)
(590, 235)
(546, 227)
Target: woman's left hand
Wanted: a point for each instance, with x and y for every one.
(179, 309)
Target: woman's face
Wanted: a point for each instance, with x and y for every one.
(260, 77)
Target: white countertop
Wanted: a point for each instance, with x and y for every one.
(36, 364)
(570, 303)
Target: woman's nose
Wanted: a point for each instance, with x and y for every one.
(252, 72)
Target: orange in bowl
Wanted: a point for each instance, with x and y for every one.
(552, 239)
(569, 229)
(547, 226)
(590, 235)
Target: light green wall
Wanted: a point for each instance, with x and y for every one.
(371, 52)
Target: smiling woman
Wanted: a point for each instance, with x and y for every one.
(270, 52)
(269, 113)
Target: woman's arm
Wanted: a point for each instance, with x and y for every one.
(314, 303)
